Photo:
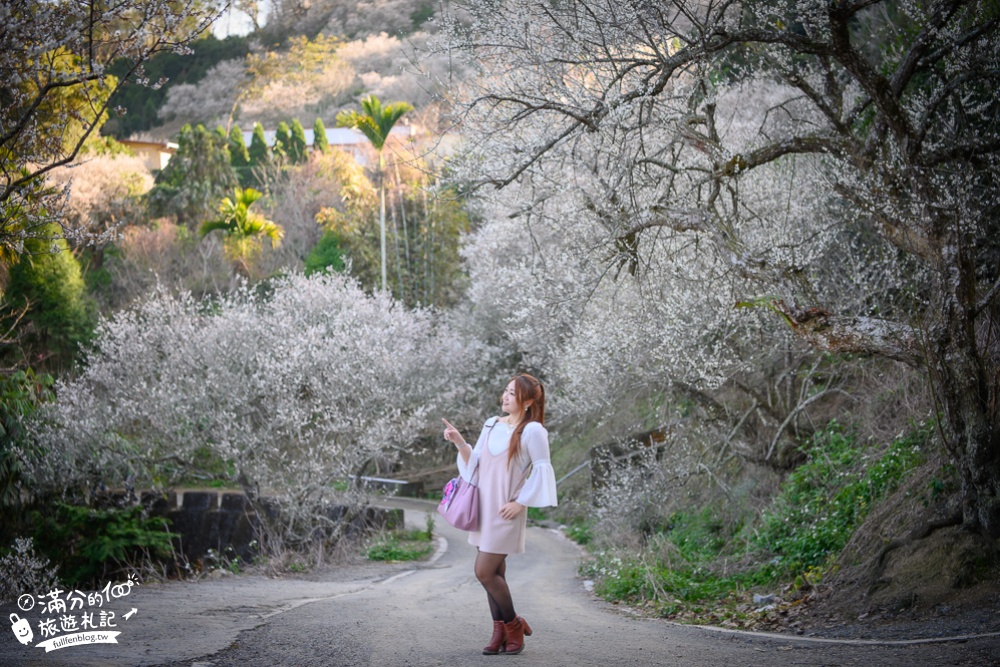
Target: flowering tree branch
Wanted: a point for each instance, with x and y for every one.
(54, 64)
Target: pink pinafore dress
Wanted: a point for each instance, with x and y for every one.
(498, 485)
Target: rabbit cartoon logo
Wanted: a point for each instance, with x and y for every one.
(21, 628)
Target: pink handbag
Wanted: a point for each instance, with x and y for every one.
(460, 504)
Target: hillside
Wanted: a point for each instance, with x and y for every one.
(315, 66)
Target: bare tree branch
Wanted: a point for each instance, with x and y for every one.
(857, 335)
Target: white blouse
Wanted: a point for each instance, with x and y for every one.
(539, 489)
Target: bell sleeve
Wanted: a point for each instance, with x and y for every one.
(539, 489)
(468, 470)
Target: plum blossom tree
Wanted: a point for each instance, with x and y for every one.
(210, 100)
(876, 138)
(104, 193)
(606, 345)
(294, 391)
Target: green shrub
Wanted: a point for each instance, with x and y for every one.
(326, 256)
(580, 532)
(47, 285)
(21, 393)
(666, 587)
(196, 179)
(90, 545)
(698, 537)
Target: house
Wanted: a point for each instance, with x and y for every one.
(154, 154)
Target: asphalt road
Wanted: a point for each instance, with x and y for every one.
(436, 614)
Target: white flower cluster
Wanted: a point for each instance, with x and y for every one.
(293, 390)
(23, 571)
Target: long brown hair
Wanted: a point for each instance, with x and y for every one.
(526, 388)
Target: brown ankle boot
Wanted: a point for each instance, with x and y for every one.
(497, 640)
(515, 631)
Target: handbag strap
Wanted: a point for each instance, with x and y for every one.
(475, 473)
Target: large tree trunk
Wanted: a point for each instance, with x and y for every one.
(973, 438)
(965, 375)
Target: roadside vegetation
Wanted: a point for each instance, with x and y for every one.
(705, 565)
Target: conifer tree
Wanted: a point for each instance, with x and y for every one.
(297, 146)
(320, 141)
(259, 152)
(47, 286)
(238, 154)
(283, 141)
(222, 141)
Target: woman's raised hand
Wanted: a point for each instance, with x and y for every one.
(451, 434)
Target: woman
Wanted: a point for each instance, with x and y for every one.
(511, 461)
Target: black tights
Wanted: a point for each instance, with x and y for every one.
(490, 571)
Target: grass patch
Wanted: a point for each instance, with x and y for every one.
(403, 545)
(824, 500)
(393, 549)
(537, 514)
(580, 531)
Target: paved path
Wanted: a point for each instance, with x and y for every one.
(436, 614)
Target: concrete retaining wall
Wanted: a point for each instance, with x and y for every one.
(226, 522)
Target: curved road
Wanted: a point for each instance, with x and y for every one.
(436, 614)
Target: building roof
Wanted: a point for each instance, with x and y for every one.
(165, 146)
(337, 136)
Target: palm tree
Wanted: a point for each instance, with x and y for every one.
(243, 228)
(375, 123)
